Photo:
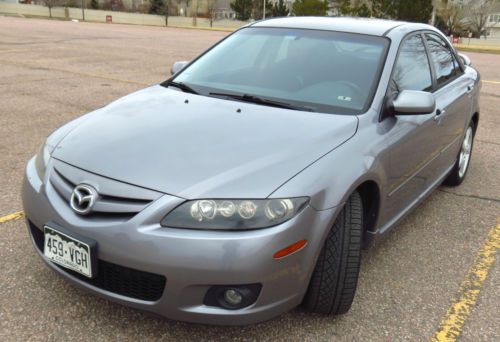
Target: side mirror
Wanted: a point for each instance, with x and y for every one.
(412, 102)
(178, 66)
(465, 59)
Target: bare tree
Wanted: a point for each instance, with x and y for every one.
(160, 7)
(478, 12)
(452, 15)
(166, 10)
(195, 12)
(50, 4)
(212, 11)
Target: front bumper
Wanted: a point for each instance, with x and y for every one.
(191, 261)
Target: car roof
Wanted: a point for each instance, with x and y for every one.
(371, 26)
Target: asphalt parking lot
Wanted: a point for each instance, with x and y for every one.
(435, 272)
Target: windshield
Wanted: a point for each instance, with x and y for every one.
(321, 71)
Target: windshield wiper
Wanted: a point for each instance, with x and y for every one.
(182, 86)
(263, 101)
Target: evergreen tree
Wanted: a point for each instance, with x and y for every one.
(156, 7)
(415, 10)
(94, 4)
(257, 11)
(345, 7)
(409, 10)
(279, 9)
(385, 9)
(310, 7)
(243, 9)
(362, 11)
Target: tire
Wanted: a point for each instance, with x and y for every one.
(459, 171)
(335, 276)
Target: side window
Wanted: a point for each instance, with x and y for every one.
(412, 70)
(445, 64)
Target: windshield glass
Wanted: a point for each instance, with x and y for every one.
(323, 71)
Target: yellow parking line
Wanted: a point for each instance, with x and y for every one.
(466, 297)
(492, 82)
(11, 217)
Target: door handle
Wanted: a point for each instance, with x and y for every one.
(439, 114)
(470, 88)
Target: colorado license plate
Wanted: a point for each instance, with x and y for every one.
(67, 251)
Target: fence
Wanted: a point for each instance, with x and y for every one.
(117, 17)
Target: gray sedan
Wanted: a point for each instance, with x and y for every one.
(248, 183)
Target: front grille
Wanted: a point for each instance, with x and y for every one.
(115, 278)
(112, 203)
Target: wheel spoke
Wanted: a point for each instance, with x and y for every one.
(465, 152)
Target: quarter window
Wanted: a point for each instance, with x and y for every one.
(445, 64)
(412, 70)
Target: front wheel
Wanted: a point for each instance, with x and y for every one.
(457, 174)
(335, 276)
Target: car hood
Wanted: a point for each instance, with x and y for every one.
(194, 146)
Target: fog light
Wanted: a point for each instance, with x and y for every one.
(232, 297)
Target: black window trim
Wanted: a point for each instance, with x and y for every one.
(437, 86)
(420, 33)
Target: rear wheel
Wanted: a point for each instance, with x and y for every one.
(457, 174)
(335, 276)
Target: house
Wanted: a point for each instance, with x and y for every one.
(493, 25)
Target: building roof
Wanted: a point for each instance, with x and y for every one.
(377, 27)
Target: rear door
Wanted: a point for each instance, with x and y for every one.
(453, 100)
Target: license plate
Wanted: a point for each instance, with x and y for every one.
(69, 252)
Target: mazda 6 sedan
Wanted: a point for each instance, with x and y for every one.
(248, 182)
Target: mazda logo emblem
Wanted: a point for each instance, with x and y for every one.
(83, 198)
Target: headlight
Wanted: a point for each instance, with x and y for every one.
(42, 159)
(233, 214)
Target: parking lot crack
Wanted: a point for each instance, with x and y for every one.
(471, 196)
(85, 74)
(36, 80)
(488, 142)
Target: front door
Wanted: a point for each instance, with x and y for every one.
(411, 138)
